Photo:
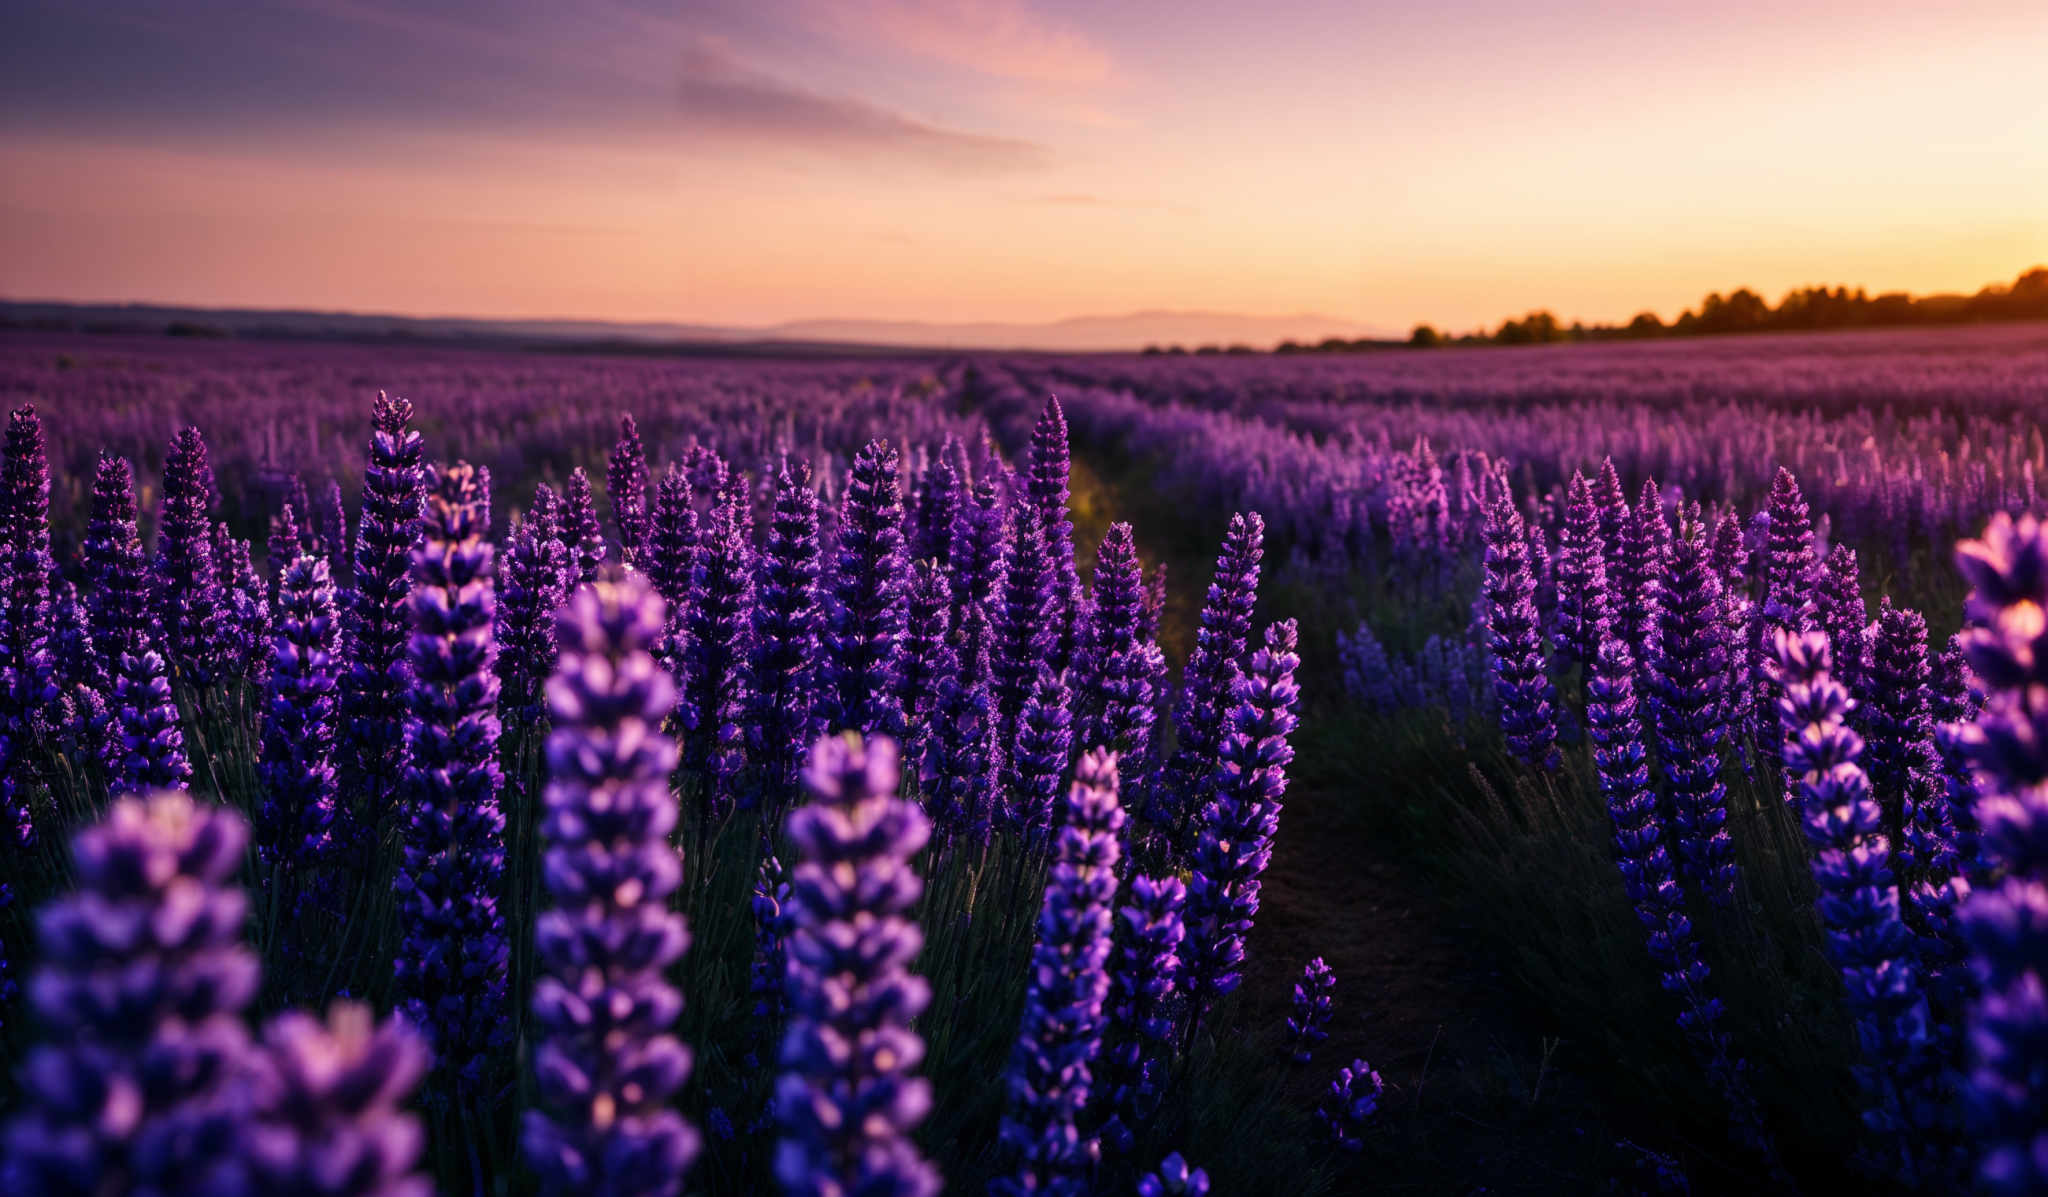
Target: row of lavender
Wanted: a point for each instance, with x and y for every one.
(1718, 648)
(372, 734)
(1901, 440)
(273, 410)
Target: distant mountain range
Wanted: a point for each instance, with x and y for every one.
(1081, 334)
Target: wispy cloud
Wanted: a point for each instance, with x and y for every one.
(609, 71)
(720, 93)
(1002, 38)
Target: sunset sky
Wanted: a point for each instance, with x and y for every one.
(744, 162)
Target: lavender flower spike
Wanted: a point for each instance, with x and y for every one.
(450, 971)
(1582, 597)
(846, 1098)
(581, 532)
(626, 481)
(1859, 906)
(718, 650)
(118, 599)
(330, 1120)
(27, 570)
(1199, 714)
(297, 767)
(1143, 982)
(1237, 827)
(186, 595)
(374, 629)
(1515, 642)
(1687, 670)
(141, 990)
(1311, 1010)
(1051, 1070)
(149, 752)
(2006, 922)
(607, 1066)
(868, 579)
(786, 622)
(1350, 1105)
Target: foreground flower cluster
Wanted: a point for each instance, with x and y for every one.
(494, 785)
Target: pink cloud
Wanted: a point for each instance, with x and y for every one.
(1002, 38)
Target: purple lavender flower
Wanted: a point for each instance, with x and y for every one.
(1840, 612)
(1051, 1069)
(626, 482)
(80, 675)
(450, 970)
(607, 1066)
(1174, 1179)
(529, 593)
(294, 823)
(1143, 983)
(374, 628)
(141, 1083)
(149, 752)
(671, 561)
(965, 759)
(1026, 633)
(1310, 1014)
(1859, 906)
(118, 597)
(242, 651)
(1046, 494)
(2006, 922)
(330, 1120)
(937, 511)
(929, 660)
(1118, 670)
(581, 532)
(1515, 642)
(1044, 745)
(1236, 828)
(787, 617)
(1686, 671)
(863, 645)
(27, 568)
(1790, 565)
(718, 649)
(1898, 716)
(1611, 502)
(1220, 637)
(1639, 576)
(847, 1113)
(1582, 601)
(1729, 557)
(979, 547)
(187, 599)
(1350, 1106)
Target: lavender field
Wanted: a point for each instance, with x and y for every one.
(1563, 769)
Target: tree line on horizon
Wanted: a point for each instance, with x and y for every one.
(1803, 309)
